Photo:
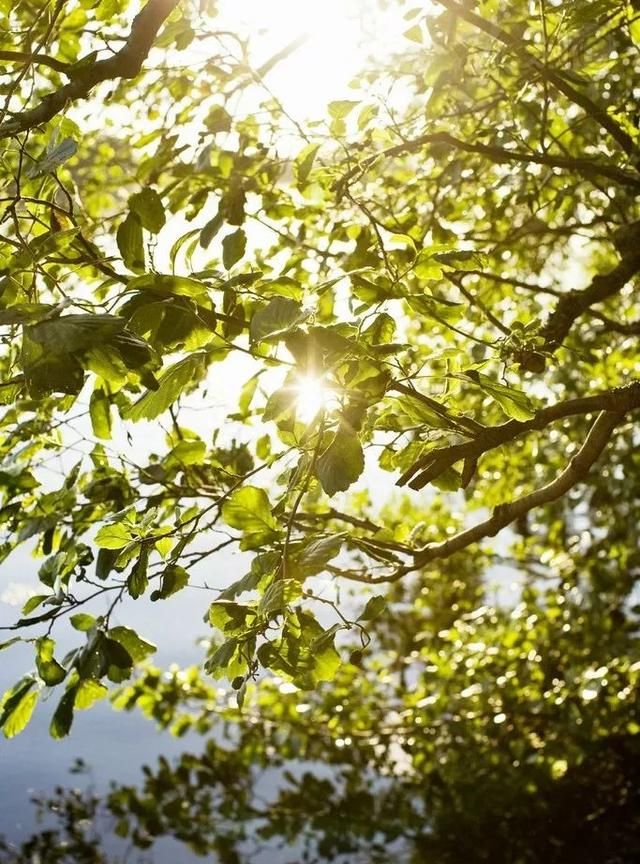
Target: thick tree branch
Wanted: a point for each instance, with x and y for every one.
(126, 63)
(503, 515)
(437, 461)
(572, 305)
(546, 72)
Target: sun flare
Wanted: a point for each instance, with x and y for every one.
(312, 396)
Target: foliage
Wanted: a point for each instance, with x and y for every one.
(454, 267)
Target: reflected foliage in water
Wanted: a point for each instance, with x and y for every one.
(504, 737)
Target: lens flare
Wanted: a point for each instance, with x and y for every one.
(312, 396)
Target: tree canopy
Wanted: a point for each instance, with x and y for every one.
(431, 284)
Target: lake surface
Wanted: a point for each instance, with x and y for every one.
(113, 744)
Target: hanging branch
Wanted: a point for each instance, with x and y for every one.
(574, 304)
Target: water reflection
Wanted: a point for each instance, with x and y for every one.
(245, 803)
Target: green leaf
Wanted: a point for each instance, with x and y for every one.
(100, 413)
(326, 662)
(248, 510)
(282, 286)
(131, 243)
(233, 248)
(341, 463)
(375, 606)
(218, 120)
(115, 536)
(54, 158)
(279, 403)
(211, 229)
(17, 706)
(82, 622)
(174, 579)
(148, 207)
(50, 373)
(426, 266)
(234, 204)
(164, 545)
(63, 716)
(137, 581)
(249, 582)
(137, 647)
(277, 595)
(20, 716)
(316, 554)
(75, 332)
(304, 162)
(514, 403)
(217, 662)
(33, 603)
(414, 34)
(49, 669)
(10, 642)
(230, 618)
(341, 108)
(275, 319)
(88, 692)
(247, 393)
(178, 378)
(107, 557)
(116, 654)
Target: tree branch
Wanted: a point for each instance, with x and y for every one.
(41, 59)
(503, 515)
(126, 63)
(499, 155)
(575, 303)
(437, 461)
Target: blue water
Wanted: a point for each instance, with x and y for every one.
(113, 744)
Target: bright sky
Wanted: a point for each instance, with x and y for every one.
(339, 36)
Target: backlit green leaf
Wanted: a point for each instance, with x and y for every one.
(248, 510)
(275, 319)
(130, 243)
(233, 248)
(173, 383)
(115, 536)
(148, 207)
(49, 669)
(63, 716)
(341, 463)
